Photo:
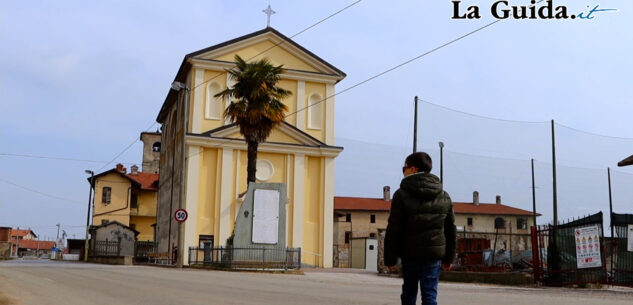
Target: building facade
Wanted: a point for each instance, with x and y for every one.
(203, 158)
(355, 218)
(127, 198)
(510, 226)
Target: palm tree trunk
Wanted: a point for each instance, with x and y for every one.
(252, 161)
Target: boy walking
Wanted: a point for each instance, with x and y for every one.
(420, 230)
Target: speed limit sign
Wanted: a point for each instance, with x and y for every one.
(180, 215)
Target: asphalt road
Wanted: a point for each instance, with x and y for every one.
(68, 283)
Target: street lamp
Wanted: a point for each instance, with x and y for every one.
(441, 161)
(179, 86)
(92, 175)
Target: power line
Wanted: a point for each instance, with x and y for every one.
(125, 149)
(56, 158)
(399, 65)
(38, 192)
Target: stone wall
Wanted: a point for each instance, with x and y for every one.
(151, 158)
(114, 232)
(5, 249)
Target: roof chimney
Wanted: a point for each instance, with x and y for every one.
(120, 168)
(134, 169)
(498, 199)
(476, 198)
(386, 193)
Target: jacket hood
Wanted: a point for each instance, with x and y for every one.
(425, 185)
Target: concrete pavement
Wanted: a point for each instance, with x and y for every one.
(70, 283)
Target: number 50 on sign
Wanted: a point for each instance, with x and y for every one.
(180, 215)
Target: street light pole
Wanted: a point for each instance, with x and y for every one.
(178, 86)
(92, 174)
(441, 162)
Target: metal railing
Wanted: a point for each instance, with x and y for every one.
(106, 248)
(142, 249)
(253, 258)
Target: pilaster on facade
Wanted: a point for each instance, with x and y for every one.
(297, 200)
(301, 104)
(226, 196)
(191, 197)
(229, 83)
(328, 212)
(329, 114)
(198, 101)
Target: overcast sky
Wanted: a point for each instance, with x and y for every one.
(82, 79)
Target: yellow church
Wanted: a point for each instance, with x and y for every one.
(203, 156)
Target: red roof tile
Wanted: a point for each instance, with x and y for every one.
(378, 204)
(21, 233)
(148, 181)
(488, 208)
(361, 204)
(33, 244)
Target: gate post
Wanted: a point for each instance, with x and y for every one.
(536, 262)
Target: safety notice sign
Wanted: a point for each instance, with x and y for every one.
(588, 247)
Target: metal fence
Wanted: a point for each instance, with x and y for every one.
(621, 258)
(254, 258)
(142, 249)
(498, 251)
(105, 248)
(555, 250)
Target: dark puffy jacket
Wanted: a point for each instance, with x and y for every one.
(421, 222)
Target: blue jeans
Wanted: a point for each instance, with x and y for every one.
(427, 273)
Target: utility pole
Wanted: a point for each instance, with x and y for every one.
(610, 202)
(88, 216)
(533, 197)
(415, 126)
(441, 162)
(17, 242)
(554, 176)
(57, 232)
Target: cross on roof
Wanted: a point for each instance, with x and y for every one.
(268, 11)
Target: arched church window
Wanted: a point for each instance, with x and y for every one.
(156, 146)
(315, 111)
(213, 108)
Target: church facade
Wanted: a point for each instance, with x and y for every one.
(203, 156)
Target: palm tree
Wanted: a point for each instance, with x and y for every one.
(256, 104)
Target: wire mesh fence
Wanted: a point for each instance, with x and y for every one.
(567, 255)
(622, 253)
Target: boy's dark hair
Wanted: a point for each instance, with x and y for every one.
(421, 160)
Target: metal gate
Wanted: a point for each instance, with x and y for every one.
(622, 259)
(557, 258)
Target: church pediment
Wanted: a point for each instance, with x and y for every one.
(283, 133)
(270, 44)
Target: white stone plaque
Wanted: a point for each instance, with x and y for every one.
(265, 216)
(588, 247)
(629, 244)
